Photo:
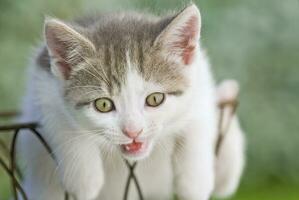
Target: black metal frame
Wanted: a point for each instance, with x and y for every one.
(14, 173)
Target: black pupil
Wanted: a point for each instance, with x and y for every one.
(155, 99)
(104, 104)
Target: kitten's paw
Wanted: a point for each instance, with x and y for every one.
(194, 197)
(190, 189)
(85, 177)
(86, 185)
(227, 91)
(90, 190)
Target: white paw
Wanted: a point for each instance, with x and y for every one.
(194, 196)
(227, 91)
(191, 189)
(84, 177)
(90, 190)
(85, 185)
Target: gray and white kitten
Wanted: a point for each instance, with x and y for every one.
(128, 86)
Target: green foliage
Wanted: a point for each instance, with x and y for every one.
(255, 42)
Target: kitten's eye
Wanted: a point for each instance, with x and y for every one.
(155, 99)
(104, 105)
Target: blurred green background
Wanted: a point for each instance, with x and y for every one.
(253, 41)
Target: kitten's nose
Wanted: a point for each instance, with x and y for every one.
(132, 133)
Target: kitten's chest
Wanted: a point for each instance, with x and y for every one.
(154, 174)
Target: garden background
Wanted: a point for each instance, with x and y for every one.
(253, 41)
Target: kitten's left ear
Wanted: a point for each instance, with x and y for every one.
(179, 40)
(67, 47)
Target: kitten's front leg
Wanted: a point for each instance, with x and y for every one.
(194, 163)
(80, 168)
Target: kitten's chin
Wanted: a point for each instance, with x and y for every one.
(136, 150)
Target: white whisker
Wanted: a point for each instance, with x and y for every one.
(105, 79)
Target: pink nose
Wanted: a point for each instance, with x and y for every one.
(132, 133)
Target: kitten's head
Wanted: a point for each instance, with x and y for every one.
(125, 76)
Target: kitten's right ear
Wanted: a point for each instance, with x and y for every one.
(180, 37)
(66, 46)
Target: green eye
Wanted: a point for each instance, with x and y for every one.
(104, 105)
(155, 99)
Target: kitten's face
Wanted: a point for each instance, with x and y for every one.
(125, 83)
(133, 118)
(130, 112)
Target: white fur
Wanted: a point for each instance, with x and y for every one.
(81, 169)
(182, 133)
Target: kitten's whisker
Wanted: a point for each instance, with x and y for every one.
(74, 139)
(81, 82)
(84, 86)
(91, 92)
(163, 147)
(104, 79)
(84, 130)
(119, 141)
(92, 74)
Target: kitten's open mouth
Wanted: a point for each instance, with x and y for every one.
(134, 149)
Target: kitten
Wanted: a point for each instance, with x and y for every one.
(131, 86)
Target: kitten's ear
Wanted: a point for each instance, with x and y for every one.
(179, 40)
(66, 46)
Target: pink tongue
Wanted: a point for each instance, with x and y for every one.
(133, 147)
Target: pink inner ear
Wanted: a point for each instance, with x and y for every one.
(59, 50)
(188, 39)
(60, 54)
(64, 68)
